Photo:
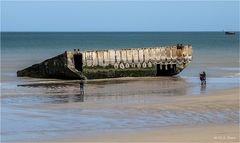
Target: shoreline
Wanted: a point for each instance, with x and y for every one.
(151, 114)
(42, 81)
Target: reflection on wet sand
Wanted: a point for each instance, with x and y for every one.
(203, 88)
(52, 108)
(69, 98)
(56, 99)
(118, 90)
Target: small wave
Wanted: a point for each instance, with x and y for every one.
(236, 75)
(230, 75)
(218, 75)
(234, 69)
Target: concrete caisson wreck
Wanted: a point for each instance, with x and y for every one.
(132, 62)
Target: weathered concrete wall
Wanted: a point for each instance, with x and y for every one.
(113, 63)
(140, 57)
(133, 61)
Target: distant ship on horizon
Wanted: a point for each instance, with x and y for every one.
(229, 33)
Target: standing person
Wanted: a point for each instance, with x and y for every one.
(203, 78)
(81, 87)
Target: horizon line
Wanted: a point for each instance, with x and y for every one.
(122, 31)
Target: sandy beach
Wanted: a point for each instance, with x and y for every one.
(206, 133)
(227, 100)
(130, 110)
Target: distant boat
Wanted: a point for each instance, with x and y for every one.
(229, 33)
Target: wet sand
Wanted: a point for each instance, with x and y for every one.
(210, 132)
(215, 101)
(126, 109)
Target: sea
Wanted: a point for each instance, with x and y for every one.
(213, 52)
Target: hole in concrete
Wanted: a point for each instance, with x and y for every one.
(166, 72)
(78, 62)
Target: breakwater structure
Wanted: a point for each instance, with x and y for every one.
(96, 64)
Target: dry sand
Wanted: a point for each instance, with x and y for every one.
(206, 133)
(197, 134)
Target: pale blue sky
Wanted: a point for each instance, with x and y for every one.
(119, 16)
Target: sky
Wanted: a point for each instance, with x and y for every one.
(119, 15)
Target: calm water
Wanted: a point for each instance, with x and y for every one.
(214, 52)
